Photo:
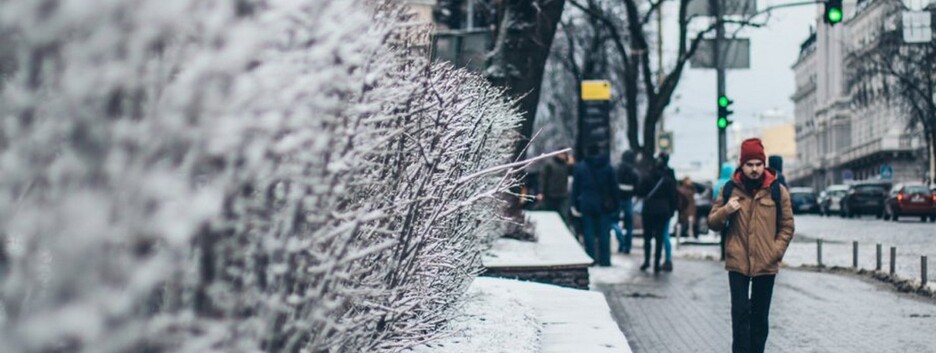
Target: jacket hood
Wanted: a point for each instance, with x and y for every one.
(775, 163)
(769, 177)
(726, 171)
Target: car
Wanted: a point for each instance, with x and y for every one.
(910, 199)
(865, 198)
(830, 198)
(804, 200)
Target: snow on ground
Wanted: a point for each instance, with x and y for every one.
(552, 248)
(508, 316)
(496, 318)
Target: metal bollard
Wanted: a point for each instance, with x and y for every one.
(879, 255)
(893, 260)
(923, 270)
(855, 254)
(819, 252)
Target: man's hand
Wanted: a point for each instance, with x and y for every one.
(539, 197)
(733, 205)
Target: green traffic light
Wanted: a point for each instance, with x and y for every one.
(834, 15)
(722, 122)
(723, 101)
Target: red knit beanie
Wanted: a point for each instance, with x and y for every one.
(752, 149)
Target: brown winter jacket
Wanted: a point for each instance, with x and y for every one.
(687, 206)
(754, 245)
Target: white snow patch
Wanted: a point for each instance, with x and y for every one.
(495, 318)
(498, 319)
(555, 246)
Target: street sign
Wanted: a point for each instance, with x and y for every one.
(729, 8)
(916, 27)
(665, 142)
(596, 90)
(887, 172)
(594, 118)
(847, 175)
(737, 54)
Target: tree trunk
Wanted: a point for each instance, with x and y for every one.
(525, 34)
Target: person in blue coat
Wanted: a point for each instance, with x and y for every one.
(727, 170)
(595, 197)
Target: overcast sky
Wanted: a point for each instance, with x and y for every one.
(767, 85)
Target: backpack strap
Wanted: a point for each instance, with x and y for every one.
(775, 195)
(726, 191)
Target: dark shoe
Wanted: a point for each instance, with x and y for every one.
(644, 267)
(656, 268)
(667, 266)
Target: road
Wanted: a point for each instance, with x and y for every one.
(911, 237)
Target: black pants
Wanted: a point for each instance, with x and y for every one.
(654, 225)
(749, 324)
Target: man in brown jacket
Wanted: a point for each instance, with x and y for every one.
(756, 237)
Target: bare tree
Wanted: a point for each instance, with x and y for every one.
(900, 75)
(582, 50)
(524, 35)
(629, 36)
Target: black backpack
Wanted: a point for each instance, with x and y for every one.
(628, 176)
(774, 195)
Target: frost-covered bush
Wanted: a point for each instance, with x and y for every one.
(237, 176)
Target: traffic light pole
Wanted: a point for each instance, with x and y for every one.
(720, 44)
(720, 73)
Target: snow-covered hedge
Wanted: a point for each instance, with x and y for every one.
(236, 176)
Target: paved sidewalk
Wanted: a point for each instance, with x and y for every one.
(688, 310)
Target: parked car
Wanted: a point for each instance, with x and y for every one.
(829, 199)
(804, 200)
(865, 198)
(910, 199)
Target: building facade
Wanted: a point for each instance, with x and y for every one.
(839, 140)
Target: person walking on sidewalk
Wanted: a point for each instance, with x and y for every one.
(554, 183)
(627, 182)
(663, 159)
(658, 190)
(755, 215)
(687, 207)
(595, 197)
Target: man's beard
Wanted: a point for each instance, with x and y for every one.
(752, 184)
(757, 177)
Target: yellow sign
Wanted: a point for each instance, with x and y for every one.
(596, 90)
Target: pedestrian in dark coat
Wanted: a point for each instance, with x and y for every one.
(595, 197)
(775, 163)
(628, 180)
(658, 191)
(687, 206)
(554, 183)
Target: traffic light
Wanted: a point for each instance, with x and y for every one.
(723, 112)
(833, 12)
